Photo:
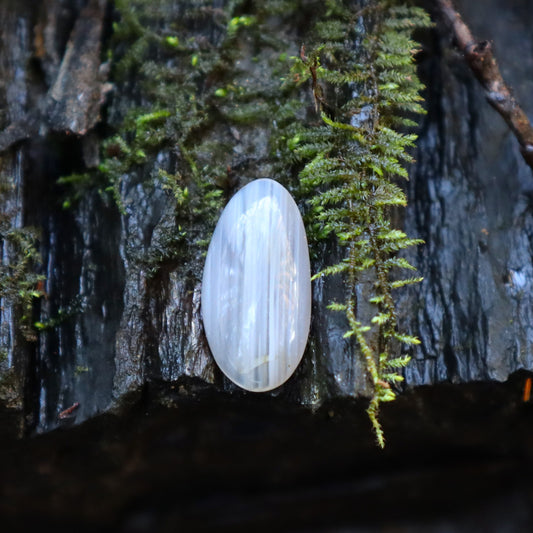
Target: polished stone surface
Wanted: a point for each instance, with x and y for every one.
(256, 289)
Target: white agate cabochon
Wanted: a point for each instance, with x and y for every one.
(256, 288)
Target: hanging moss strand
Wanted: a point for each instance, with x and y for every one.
(352, 161)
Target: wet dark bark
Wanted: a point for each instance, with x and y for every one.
(54, 85)
(129, 336)
(121, 326)
(471, 203)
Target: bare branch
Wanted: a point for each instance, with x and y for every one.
(481, 60)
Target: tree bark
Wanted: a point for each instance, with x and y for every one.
(112, 324)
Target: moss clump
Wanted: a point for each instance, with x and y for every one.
(352, 157)
(20, 285)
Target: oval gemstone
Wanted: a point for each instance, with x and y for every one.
(256, 288)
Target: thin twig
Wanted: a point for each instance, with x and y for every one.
(481, 61)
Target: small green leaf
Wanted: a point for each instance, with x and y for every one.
(172, 41)
(398, 362)
(406, 339)
(381, 318)
(402, 282)
(334, 306)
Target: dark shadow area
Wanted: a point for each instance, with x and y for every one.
(182, 457)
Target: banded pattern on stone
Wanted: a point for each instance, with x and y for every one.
(256, 289)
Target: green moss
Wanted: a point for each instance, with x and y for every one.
(79, 370)
(62, 315)
(19, 283)
(352, 157)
